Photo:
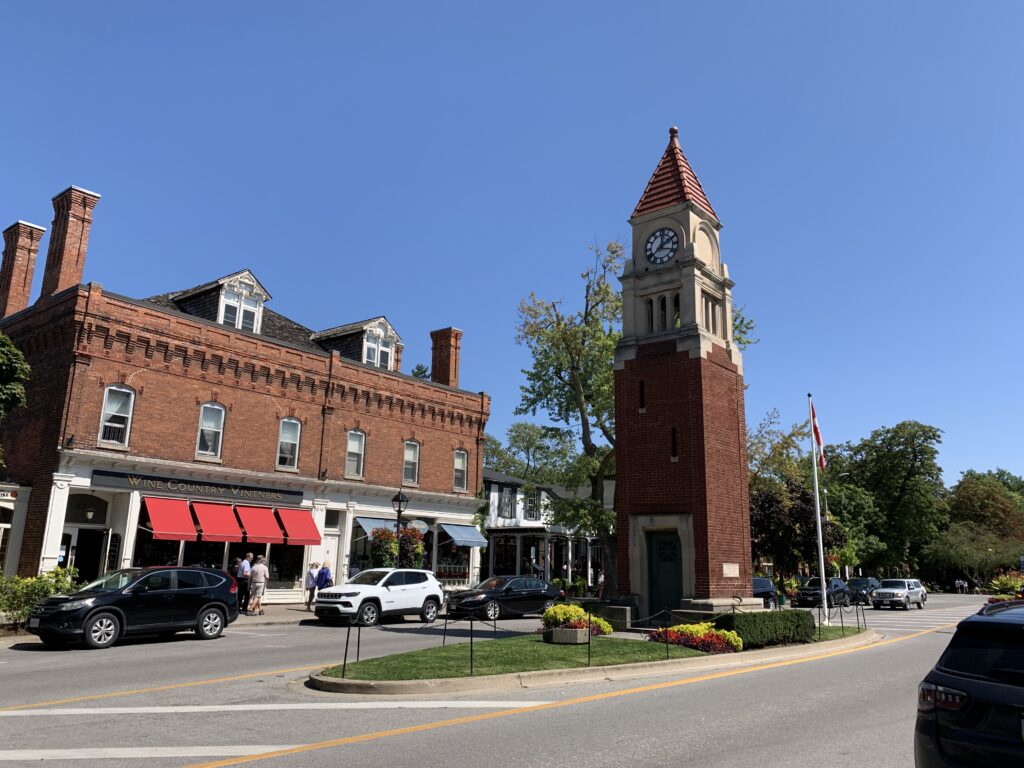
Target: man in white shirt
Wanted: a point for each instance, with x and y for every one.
(243, 582)
(314, 568)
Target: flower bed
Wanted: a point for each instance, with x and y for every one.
(702, 637)
(574, 617)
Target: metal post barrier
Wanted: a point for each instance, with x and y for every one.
(842, 623)
(359, 639)
(444, 635)
(344, 663)
(495, 633)
(471, 645)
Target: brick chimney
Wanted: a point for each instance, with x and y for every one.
(444, 364)
(69, 238)
(21, 244)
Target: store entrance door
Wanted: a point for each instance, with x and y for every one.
(84, 548)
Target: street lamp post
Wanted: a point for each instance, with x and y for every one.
(399, 503)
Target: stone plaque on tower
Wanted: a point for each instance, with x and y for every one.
(681, 461)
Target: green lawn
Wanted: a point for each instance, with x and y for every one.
(835, 632)
(512, 654)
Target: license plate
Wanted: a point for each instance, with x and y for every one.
(33, 623)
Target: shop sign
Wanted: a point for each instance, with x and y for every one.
(195, 488)
(8, 495)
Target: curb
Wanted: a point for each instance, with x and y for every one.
(584, 674)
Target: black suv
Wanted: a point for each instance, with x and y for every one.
(862, 588)
(765, 589)
(137, 601)
(970, 707)
(810, 593)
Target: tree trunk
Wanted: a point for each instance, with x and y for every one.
(609, 563)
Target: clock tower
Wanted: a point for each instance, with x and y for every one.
(681, 461)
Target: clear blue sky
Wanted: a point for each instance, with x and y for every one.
(435, 162)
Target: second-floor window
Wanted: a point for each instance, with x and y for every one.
(354, 454)
(507, 502)
(532, 504)
(411, 463)
(288, 444)
(377, 351)
(241, 306)
(211, 429)
(461, 464)
(117, 415)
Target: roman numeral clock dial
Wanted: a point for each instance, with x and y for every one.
(661, 246)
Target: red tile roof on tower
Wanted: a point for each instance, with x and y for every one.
(673, 182)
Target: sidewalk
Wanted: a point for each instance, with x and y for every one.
(291, 613)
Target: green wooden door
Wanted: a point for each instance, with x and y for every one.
(664, 570)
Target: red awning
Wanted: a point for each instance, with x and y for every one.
(300, 526)
(217, 521)
(170, 519)
(260, 525)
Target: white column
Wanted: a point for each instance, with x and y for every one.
(474, 565)
(547, 557)
(17, 531)
(436, 529)
(321, 553)
(345, 543)
(568, 558)
(54, 530)
(590, 564)
(519, 551)
(131, 529)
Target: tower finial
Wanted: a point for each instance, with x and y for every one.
(673, 132)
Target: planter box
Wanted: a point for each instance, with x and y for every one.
(566, 636)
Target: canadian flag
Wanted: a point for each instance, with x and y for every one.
(817, 437)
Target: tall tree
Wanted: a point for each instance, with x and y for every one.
(14, 372)
(571, 381)
(536, 453)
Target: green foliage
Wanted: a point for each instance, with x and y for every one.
(732, 638)
(1007, 583)
(18, 595)
(539, 454)
(579, 584)
(782, 524)
(420, 371)
(965, 549)
(14, 372)
(742, 328)
(383, 548)
(411, 548)
(766, 628)
(987, 501)
(567, 613)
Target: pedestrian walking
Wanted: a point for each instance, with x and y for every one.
(258, 576)
(600, 584)
(314, 569)
(242, 577)
(324, 578)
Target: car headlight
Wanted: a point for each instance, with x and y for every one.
(474, 599)
(74, 605)
(348, 594)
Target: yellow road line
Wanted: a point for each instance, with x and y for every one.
(555, 704)
(158, 688)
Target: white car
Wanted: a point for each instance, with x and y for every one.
(382, 592)
(899, 593)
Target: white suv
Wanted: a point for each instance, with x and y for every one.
(381, 592)
(899, 593)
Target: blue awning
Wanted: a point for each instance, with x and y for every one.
(465, 535)
(369, 523)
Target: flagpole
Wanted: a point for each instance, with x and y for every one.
(823, 580)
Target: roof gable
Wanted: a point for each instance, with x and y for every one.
(673, 182)
(360, 327)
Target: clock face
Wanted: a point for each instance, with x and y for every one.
(661, 245)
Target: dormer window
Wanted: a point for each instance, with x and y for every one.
(377, 349)
(241, 306)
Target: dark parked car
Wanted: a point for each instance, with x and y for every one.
(970, 707)
(765, 589)
(862, 588)
(509, 596)
(810, 593)
(137, 601)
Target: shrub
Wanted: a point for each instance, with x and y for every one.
(383, 548)
(1006, 584)
(580, 585)
(19, 595)
(761, 629)
(411, 544)
(574, 617)
(703, 637)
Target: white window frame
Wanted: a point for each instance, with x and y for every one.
(377, 343)
(464, 455)
(531, 504)
(246, 292)
(507, 502)
(104, 414)
(281, 441)
(220, 431)
(361, 453)
(415, 463)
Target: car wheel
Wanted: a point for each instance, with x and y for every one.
(906, 603)
(846, 601)
(492, 610)
(429, 611)
(920, 604)
(828, 602)
(101, 630)
(369, 614)
(547, 604)
(210, 624)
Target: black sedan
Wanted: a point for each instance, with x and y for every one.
(136, 601)
(765, 589)
(504, 596)
(837, 593)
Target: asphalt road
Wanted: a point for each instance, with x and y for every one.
(191, 703)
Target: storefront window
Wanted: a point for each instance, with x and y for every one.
(504, 555)
(204, 554)
(285, 562)
(150, 551)
(533, 556)
(359, 552)
(452, 560)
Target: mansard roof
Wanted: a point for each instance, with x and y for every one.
(358, 327)
(673, 182)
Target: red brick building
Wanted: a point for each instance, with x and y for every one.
(681, 495)
(199, 424)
